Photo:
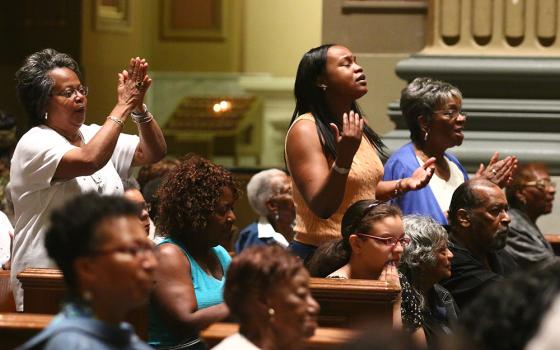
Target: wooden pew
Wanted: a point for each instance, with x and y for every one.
(350, 303)
(44, 292)
(344, 303)
(7, 303)
(554, 241)
(17, 328)
(324, 338)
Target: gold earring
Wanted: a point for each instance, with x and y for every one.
(271, 314)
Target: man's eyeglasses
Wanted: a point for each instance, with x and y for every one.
(390, 241)
(451, 113)
(70, 92)
(134, 251)
(541, 184)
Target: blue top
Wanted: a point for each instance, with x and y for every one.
(249, 236)
(75, 328)
(402, 164)
(207, 289)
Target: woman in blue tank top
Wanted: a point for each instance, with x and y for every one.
(196, 214)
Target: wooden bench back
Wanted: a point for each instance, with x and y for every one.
(7, 303)
(44, 291)
(324, 338)
(350, 303)
(17, 328)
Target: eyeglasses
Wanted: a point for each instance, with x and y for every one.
(541, 184)
(138, 251)
(390, 241)
(70, 92)
(451, 113)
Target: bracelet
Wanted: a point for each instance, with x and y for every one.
(398, 189)
(142, 117)
(341, 171)
(142, 120)
(116, 120)
(140, 114)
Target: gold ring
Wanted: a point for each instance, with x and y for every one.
(139, 85)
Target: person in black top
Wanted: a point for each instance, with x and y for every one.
(479, 219)
(425, 262)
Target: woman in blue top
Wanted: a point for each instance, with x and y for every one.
(196, 214)
(432, 110)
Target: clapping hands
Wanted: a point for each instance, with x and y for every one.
(498, 171)
(133, 83)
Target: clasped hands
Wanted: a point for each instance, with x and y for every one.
(133, 84)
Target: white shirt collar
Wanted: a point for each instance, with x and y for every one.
(266, 230)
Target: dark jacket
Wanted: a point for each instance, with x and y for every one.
(469, 276)
(439, 316)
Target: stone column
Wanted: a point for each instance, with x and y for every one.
(504, 55)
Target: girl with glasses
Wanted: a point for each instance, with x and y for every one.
(371, 247)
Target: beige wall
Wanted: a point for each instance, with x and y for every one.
(104, 54)
(278, 33)
(195, 55)
(380, 36)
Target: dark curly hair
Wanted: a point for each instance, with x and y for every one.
(254, 273)
(33, 83)
(156, 170)
(189, 194)
(73, 230)
(508, 314)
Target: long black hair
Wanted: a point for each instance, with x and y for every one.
(311, 99)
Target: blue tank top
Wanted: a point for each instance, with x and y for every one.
(207, 289)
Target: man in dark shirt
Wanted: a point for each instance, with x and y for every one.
(478, 218)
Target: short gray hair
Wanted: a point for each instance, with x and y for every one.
(421, 98)
(33, 83)
(426, 237)
(260, 188)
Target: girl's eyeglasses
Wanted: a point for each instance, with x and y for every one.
(390, 241)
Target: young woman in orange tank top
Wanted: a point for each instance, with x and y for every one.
(331, 152)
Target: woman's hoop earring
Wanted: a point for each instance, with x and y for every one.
(46, 115)
(426, 136)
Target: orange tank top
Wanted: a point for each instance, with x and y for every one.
(366, 171)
